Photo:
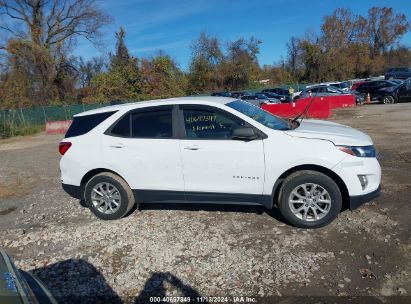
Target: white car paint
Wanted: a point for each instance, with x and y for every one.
(172, 164)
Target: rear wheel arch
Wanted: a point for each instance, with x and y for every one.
(93, 173)
(331, 174)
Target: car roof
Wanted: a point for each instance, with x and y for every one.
(206, 100)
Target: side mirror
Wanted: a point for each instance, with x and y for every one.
(244, 134)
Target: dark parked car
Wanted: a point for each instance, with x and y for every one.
(259, 99)
(239, 94)
(221, 94)
(399, 93)
(281, 98)
(372, 87)
(398, 73)
(283, 93)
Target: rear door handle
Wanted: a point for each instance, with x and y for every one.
(194, 147)
(117, 145)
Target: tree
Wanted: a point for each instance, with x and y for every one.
(122, 81)
(341, 29)
(349, 46)
(213, 68)
(121, 57)
(206, 59)
(162, 77)
(31, 75)
(39, 33)
(384, 29)
(293, 55)
(51, 22)
(241, 65)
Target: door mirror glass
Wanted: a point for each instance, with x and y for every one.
(244, 133)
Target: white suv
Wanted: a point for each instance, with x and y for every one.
(216, 150)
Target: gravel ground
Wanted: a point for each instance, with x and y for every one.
(201, 250)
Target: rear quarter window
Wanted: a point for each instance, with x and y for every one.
(83, 124)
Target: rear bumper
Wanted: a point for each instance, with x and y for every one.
(358, 200)
(73, 191)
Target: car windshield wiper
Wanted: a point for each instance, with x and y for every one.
(295, 120)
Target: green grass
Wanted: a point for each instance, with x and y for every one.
(10, 130)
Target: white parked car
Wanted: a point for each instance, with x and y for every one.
(216, 150)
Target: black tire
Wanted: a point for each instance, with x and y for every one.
(306, 177)
(127, 197)
(388, 99)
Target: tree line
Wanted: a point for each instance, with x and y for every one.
(38, 66)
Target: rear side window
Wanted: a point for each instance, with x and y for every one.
(153, 124)
(83, 124)
(122, 127)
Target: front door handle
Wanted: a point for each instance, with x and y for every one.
(194, 147)
(117, 145)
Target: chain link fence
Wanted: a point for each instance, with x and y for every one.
(30, 120)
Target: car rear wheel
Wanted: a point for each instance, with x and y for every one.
(309, 199)
(108, 196)
(388, 99)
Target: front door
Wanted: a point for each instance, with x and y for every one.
(215, 166)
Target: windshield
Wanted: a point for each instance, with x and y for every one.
(259, 115)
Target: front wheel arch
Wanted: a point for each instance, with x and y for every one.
(331, 174)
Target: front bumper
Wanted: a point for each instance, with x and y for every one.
(358, 200)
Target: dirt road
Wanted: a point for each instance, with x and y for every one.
(203, 250)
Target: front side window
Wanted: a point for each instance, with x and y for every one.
(209, 124)
(153, 124)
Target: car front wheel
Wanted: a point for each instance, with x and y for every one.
(309, 199)
(108, 196)
(388, 99)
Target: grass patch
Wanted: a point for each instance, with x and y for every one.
(10, 130)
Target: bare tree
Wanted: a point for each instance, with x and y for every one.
(52, 22)
(384, 29)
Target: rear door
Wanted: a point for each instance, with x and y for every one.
(143, 146)
(217, 167)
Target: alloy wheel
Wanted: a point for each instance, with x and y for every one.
(309, 202)
(388, 99)
(105, 198)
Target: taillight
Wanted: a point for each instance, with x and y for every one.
(64, 146)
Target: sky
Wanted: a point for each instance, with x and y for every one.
(172, 25)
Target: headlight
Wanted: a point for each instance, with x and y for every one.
(364, 151)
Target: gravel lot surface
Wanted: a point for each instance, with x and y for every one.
(204, 250)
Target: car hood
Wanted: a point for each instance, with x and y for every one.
(334, 132)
